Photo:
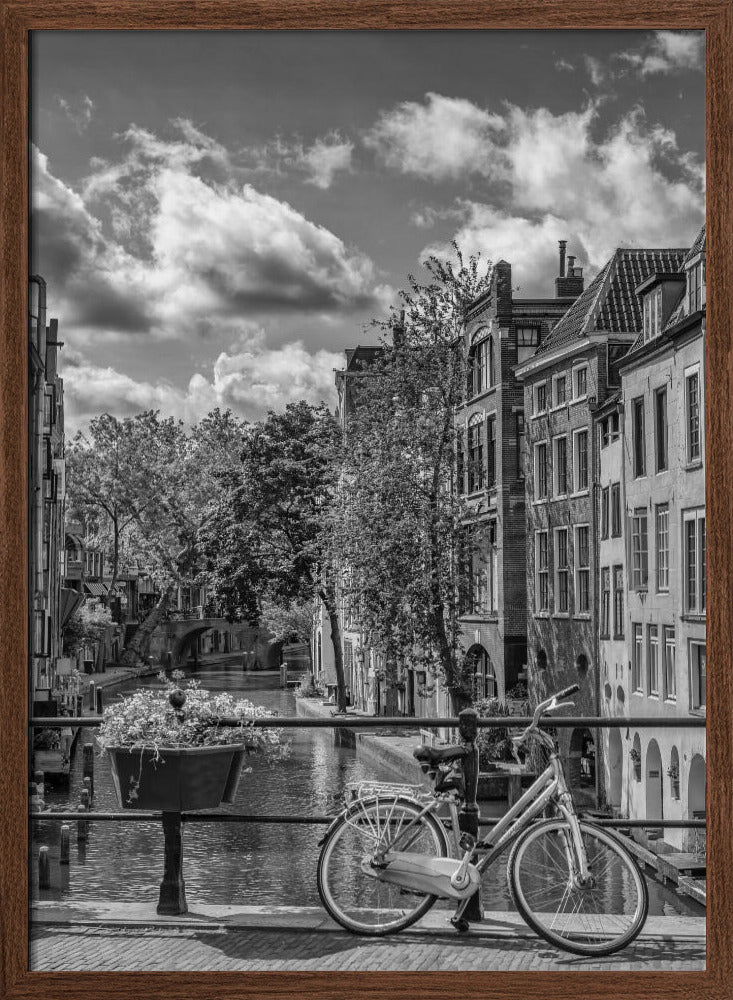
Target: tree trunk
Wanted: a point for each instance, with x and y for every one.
(115, 561)
(133, 652)
(329, 602)
(390, 683)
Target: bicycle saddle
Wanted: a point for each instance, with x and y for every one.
(439, 755)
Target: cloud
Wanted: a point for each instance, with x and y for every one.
(444, 138)
(596, 70)
(168, 242)
(667, 52)
(564, 66)
(630, 187)
(250, 379)
(79, 115)
(325, 158)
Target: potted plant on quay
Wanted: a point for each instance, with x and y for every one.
(169, 750)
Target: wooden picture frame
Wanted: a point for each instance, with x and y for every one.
(19, 17)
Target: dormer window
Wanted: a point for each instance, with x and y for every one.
(696, 286)
(528, 340)
(652, 314)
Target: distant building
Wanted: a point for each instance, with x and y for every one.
(572, 373)
(501, 331)
(661, 773)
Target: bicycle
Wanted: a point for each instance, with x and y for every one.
(387, 857)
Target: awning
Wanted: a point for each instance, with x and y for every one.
(69, 601)
(95, 589)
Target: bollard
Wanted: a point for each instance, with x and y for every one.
(99, 701)
(92, 696)
(82, 825)
(88, 767)
(44, 869)
(85, 798)
(87, 782)
(65, 844)
(172, 899)
(468, 816)
(79, 705)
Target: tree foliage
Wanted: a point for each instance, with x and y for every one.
(399, 528)
(89, 624)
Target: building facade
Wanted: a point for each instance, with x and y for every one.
(573, 373)
(663, 396)
(49, 603)
(501, 331)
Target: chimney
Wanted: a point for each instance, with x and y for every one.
(570, 285)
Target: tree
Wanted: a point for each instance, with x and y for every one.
(400, 531)
(89, 624)
(270, 533)
(145, 478)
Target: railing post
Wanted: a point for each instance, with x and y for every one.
(172, 889)
(468, 816)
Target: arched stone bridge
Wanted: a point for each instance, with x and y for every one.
(187, 639)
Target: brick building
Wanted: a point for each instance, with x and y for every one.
(572, 373)
(501, 332)
(663, 398)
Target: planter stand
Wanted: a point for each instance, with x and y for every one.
(172, 899)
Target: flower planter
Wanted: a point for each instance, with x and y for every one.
(181, 779)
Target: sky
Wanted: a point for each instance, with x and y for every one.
(218, 215)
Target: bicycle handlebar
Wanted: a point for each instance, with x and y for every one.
(542, 707)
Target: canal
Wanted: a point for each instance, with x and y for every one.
(237, 863)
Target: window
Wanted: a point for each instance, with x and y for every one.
(582, 569)
(662, 533)
(670, 666)
(492, 370)
(528, 339)
(618, 602)
(694, 544)
(520, 444)
(610, 430)
(491, 440)
(540, 470)
(652, 314)
(639, 550)
(482, 555)
(580, 464)
(605, 497)
(695, 287)
(605, 602)
(636, 663)
(580, 382)
(540, 397)
(692, 399)
(562, 603)
(560, 390)
(480, 369)
(615, 510)
(637, 431)
(475, 455)
(461, 463)
(542, 586)
(697, 675)
(560, 466)
(653, 661)
(660, 426)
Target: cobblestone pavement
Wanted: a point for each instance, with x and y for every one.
(59, 947)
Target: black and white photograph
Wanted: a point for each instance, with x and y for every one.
(367, 506)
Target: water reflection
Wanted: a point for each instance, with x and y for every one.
(236, 863)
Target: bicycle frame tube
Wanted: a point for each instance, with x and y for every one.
(521, 813)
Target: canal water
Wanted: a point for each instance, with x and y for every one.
(237, 863)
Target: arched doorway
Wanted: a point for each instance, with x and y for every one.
(696, 794)
(654, 784)
(582, 759)
(615, 767)
(484, 675)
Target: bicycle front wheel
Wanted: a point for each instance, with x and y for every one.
(350, 888)
(598, 918)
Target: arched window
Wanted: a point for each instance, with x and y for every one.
(484, 674)
(480, 364)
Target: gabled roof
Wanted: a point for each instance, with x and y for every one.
(609, 302)
(698, 246)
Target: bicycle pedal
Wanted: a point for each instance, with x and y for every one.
(460, 924)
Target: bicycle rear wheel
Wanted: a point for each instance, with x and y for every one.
(357, 900)
(597, 919)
